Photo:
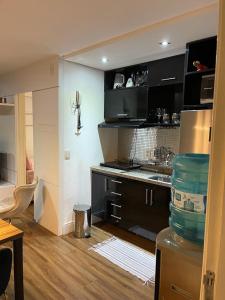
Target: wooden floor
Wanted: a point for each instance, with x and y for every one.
(60, 268)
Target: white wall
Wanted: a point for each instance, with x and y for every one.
(85, 150)
(109, 143)
(46, 159)
(38, 76)
(42, 79)
(63, 182)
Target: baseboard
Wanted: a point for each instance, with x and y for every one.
(68, 227)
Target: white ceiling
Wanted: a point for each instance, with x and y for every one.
(31, 30)
(143, 45)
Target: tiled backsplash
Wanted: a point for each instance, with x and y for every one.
(139, 144)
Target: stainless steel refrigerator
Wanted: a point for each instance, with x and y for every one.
(195, 131)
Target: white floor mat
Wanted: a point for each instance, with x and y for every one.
(128, 257)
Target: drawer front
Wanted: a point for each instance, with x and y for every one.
(115, 207)
(115, 186)
(180, 277)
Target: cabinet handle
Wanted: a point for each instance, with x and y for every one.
(208, 88)
(116, 181)
(116, 205)
(122, 115)
(169, 78)
(210, 133)
(106, 185)
(117, 194)
(151, 198)
(115, 217)
(146, 196)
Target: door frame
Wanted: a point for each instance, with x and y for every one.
(214, 245)
(20, 139)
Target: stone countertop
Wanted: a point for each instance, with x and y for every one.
(137, 174)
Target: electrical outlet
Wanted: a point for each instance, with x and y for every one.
(67, 154)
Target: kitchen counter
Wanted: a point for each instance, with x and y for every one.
(137, 174)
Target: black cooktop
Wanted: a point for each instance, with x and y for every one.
(126, 166)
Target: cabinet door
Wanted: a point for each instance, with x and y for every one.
(146, 208)
(156, 211)
(98, 196)
(134, 201)
(126, 103)
(167, 71)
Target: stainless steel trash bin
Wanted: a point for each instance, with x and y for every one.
(82, 224)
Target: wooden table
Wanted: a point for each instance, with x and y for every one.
(8, 233)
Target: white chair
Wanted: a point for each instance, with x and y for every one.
(10, 207)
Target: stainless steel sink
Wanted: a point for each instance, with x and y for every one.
(161, 178)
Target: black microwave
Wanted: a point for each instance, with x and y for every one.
(126, 104)
(207, 89)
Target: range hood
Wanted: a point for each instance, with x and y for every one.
(136, 124)
(122, 124)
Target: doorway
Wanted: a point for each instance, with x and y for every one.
(24, 140)
(29, 143)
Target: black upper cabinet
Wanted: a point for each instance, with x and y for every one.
(162, 87)
(172, 83)
(126, 71)
(166, 71)
(126, 103)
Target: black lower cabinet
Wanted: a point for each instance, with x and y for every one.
(136, 206)
(146, 208)
(106, 197)
(98, 196)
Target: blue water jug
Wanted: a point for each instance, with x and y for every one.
(189, 195)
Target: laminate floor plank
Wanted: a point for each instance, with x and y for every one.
(58, 268)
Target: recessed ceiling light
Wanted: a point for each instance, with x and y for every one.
(164, 43)
(104, 60)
